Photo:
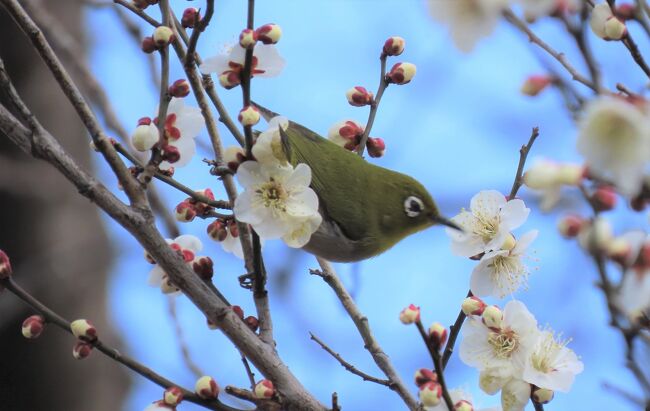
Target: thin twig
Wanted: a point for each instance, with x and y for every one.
(523, 154)
(437, 364)
(249, 371)
(383, 84)
(144, 16)
(630, 44)
(196, 32)
(354, 370)
(454, 330)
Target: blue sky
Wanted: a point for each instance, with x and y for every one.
(457, 128)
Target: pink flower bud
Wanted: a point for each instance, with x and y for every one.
(185, 212)
(358, 96)
(269, 33)
(394, 46)
(438, 335)
(229, 79)
(249, 116)
(162, 36)
(237, 310)
(410, 314)
(191, 16)
(173, 396)
(542, 395)
(376, 147)
(217, 230)
(252, 322)
(204, 267)
(569, 226)
(430, 394)
(170, 153)
(81, 350)
(144, 121)
(207, 388)
(264, 389)
(401, 73)
(247, 38)
(233, 156)
(423, 376)
(83, 330)
(626, 11)
(33, 326)
(473, 306)
(346, 134)
(148, 45)
(5, 266)
(463, 405)
(604, 198)
(492, 317)
(535, 84)
(180, 88)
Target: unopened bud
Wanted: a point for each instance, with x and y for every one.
(543, 174)
(229, 79)
(515, 395)
(173, 396)
(615, 29)
(401, 73)
(191, 16)
(410, 314)
(430, 394)
(424, 375)
(473, 306)
(509, 243)
(491, 381)
(597, 236)
(204, 267)
(376, 147)
(570, 174)
(83, 330)
(358, 96)
(252, 322)
(542, 395)
(185, 212)
(619, 250)
(249, 116)
(5, 266)
(180, 88)
(33, 326)
(569, 226)
(264, 389)
(170, 153)
(394, 46)
(604, 198)
(463, 405)
(238, 310)
(269, 33)
(438, 335)
(162, 36)
(148, 45)
(346, 133)
(206, 387)
(81, 350)
(233, 156)
(492, 317)
(535, 84)
(247, 38)
(144, 137)
(217, 230)
(167, 287)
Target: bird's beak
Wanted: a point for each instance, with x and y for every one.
(444, 221)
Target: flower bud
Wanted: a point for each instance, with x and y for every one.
(509, 243)
(206, 387)
(569, 226)
(148, 45)
(170, 153)
(430, 394)
(535, 84)
(473, 306)
(401, 73)
(237, 309)
(394, 46)
(599, 16)
(491, 380)
(83, 330)
(233, 156)
(358, 96)
(269, 33)
(346, 133)
(376, 147)
(410, 314)
(173, 396)
(249, 116)
(542, 395)
(185, 212)
(604, 198)
(229, 79)
(570, 174)
(264, 389)
(492, 317)
(463, 405)
(162, 36)
(252, 322)
(515, 395)
(5, 266)
(247, 38)
(145, 137)
(423, 376)
(543, 174)
(180, 88)
(615, 29)
(191, 16)
(596, 237)
(33, 326)
(438, 335)
(204, 267)
(217, 230)
(81, 350)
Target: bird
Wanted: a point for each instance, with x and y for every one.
(366, 209)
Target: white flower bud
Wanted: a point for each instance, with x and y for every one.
(492, 317)
(264, 389)
(410, 314)
(269, 33)
(570, 174)
(394, 46)
(249, 116)
(163, 35)
(569, 226)
(599, 16)
(438, 335)
(206, 387)
(430, 394)
(247, 38)
(509, 243)
(615, 29)
(173, 396)
(401, 73)
(597, 236)
(543, 174)
(491, 381)
(144, 137)
(473, 306)
(542, 395)
(5, 265)
(358, 96)
(463, 405)
(424, 375)
(515, 395)
(83, 330)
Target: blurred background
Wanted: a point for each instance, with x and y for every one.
(457, 127)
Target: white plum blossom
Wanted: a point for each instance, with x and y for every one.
(614, 138)
(278, 202)
(547, 178)
(468, 20)
(515, 395)
(551, 364)
(187, 245)
(267, 62)
(183, 125)
(268, 148)
(505, 348)
(487, 224)
(502, 272)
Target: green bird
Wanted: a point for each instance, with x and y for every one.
(366, 209)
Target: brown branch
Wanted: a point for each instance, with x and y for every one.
(630, 44)
(383, 84)
(437, 364)
(144, 16)
(249, 372)
(347, 365)
(454, 330)
(523, 154)
(579, 35)
(196, 32)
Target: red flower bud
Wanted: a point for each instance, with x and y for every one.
(5, 266)
(180, 88)
(191, 16)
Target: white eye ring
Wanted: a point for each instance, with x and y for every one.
(413, 206)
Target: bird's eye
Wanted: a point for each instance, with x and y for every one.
(413, 206)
